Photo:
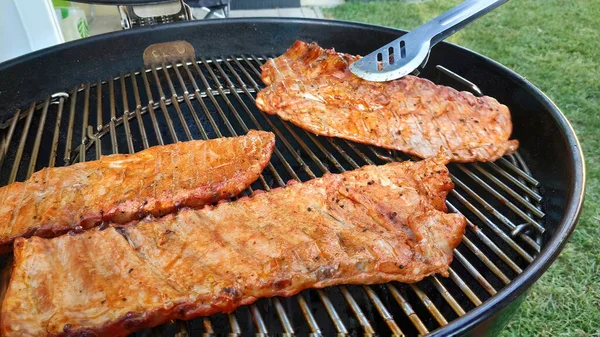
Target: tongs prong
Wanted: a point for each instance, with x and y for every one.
(411, 51)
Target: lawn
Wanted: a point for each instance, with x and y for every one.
(556, 45)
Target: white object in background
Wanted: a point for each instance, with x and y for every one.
(27, 26)
(73, 23)
(148, 11)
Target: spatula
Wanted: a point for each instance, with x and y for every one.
(411, 51)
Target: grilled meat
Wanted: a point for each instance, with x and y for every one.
(313, 88)
(371, 225)
(121, 188)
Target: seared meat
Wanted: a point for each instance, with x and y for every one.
(314, 89)
(121, 188)
(371, 225)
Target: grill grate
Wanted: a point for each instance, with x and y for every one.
(214, 97)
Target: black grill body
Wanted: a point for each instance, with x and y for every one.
(48, 90)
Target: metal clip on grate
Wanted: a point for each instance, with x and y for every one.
(214, 97)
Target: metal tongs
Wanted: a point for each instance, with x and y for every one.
(411, 51)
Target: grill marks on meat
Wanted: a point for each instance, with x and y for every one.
(121, 188)
(371, 225)
(313, 88)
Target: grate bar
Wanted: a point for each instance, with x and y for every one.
(285, 321)
(182, 328)
(233, 323)
(8, 138)
(292, 151)
(523, 187)
(335, 318)
(383, 157)
(175, 102)
(255, 59)
(125, 118)
(518, 171)
(169, 82)
(151, 109)
(186, 129)
(276, 150)
(207, 325)
(327, 154)
(163, 106)
(257, 125)
(258, 321)
(238, 118)
(224, 117)
(188, 102)
(128, 136)
(113, 117)
(489, 243)
(464, 287)
(138, 111)
(99, 105)
(362, 319)
(202, 104)
(84, 124)
(292, 132)
(504, 200)
(38, 139)
(492, 210)
(124, 97)
(213, 99)
(54, 147)
(96, 141)
(408, 310)
(474, 272)
(111, 95)
(70, 126)
(433, 310)
(310, 319)
(113, 137)
(507, 239)
(447, 296)
(343, 153)
(385, 314)
(523, 200)
(99, 124)
(473, 248)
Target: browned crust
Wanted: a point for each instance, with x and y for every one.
(184, 182)
(350, 218)
(313, 88)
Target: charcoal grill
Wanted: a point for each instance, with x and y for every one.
(99, 96)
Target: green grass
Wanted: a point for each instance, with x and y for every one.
(556, 45)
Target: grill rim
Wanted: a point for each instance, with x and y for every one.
(574, 197)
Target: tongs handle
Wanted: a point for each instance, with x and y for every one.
(454, 20)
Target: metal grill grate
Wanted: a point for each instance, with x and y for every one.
(214, 97)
